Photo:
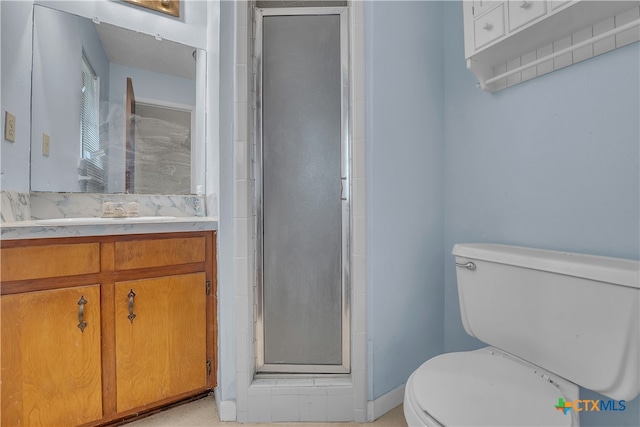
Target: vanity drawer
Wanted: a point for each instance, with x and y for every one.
(40, 262)
(522, 12)
(134, 254)
(489, 27)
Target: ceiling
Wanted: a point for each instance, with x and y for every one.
(133, 49)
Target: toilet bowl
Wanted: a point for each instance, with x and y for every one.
(486, 387)
(537, 310)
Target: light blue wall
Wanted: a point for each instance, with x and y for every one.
(550, 163)
(59, 41)
(150, 85)
(16, 27)
(404, 125)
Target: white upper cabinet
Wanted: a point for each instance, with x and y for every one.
(508, 42)
(481, 6)
(489, 27)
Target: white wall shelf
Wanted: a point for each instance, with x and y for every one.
(508, 42)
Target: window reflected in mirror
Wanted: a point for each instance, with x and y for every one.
(91, 170)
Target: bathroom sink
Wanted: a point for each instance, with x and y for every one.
(99, 220)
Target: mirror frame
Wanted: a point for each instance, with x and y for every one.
(170, 7)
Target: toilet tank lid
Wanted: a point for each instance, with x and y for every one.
(619, 271)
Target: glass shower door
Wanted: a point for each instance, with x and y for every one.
(303, 311)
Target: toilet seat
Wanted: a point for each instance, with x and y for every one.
(486, 387)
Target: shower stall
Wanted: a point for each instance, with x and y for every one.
(302, 191)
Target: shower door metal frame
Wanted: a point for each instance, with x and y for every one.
(261, 366)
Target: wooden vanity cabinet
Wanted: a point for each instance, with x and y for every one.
(51, 370)
(145, 304)
(162, 351)
(160, 321)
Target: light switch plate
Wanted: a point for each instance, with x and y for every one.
(9, 127)
(46, 142)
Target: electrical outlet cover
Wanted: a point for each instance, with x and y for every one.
(9, 127)
(46, 144)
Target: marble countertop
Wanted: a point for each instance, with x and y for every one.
(33, 229)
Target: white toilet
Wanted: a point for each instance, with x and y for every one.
(554, 321)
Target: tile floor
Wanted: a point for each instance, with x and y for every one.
(204, 413)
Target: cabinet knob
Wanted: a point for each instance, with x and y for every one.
(487, 26)
(525, 4)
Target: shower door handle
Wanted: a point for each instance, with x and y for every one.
(343, 179)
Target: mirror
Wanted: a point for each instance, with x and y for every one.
(113, 110)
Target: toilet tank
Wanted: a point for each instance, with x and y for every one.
(572, 314)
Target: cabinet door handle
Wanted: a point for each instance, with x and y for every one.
(81, 323)
(131, 315)
(524, 4)
(487, 26)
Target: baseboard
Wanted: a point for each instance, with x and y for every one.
(385, 403)
(226, 408)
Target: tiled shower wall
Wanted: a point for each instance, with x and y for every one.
(319, 399)
(243, 209)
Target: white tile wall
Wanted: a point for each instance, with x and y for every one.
(359, 216)
(628, 36)
(285, 407)
(243, 228)
(607, 44)
(241, 161)
(526, 59)
(545, 67)
(259, 405)
(242, 276)
(313, 404)
(566, 59)
(514, 78)
(360, 394)
(340, 404)
(585, 52)
(500, 84)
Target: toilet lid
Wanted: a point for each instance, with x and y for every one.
(486, 388)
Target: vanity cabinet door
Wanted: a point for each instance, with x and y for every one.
(51, 369)
(161, 338)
